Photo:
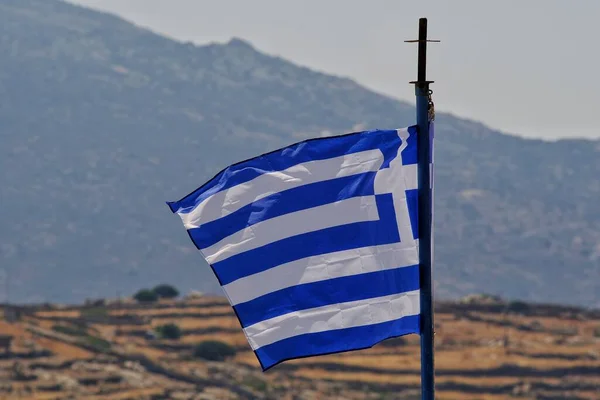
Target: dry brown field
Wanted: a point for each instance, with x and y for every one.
(484, 350)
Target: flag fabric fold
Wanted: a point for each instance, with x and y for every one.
(315, 245)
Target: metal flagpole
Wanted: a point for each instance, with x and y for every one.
(423, 97)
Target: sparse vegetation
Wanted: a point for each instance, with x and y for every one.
(166, 291)
(214, 350)
(470, 350)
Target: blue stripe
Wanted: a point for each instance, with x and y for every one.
(331, 291)
(335, 341)
(288, 201)
(409, 153)
(329, 240)
(412, 201)
(315, 149)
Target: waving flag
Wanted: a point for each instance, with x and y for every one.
(316, 244)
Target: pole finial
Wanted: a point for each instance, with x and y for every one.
(422, 57)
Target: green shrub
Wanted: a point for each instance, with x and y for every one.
(168, 331)
(213, 350)
(98, 344)
(69, 330)
(93, 313)
(597, 332)
(255, 383)
(146, 296)
(166, 291)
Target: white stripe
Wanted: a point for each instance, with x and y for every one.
(354, 209)
(228, 201)
(397, 179)
(408, 172)
(336, 316)
(408, 175)
(322, 267)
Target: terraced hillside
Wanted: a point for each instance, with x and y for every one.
(111, 350)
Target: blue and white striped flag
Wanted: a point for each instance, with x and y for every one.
(315, 244)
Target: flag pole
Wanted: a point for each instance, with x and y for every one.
(424, 145)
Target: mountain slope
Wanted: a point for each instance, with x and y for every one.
(101, 122)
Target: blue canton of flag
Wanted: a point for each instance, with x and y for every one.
(316, 244)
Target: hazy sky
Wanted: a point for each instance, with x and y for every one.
(525, 67)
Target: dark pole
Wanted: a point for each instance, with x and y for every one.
(424, 145)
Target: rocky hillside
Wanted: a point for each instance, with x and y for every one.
(101, 122)
(485, 349)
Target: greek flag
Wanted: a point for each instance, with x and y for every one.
(316, 244)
